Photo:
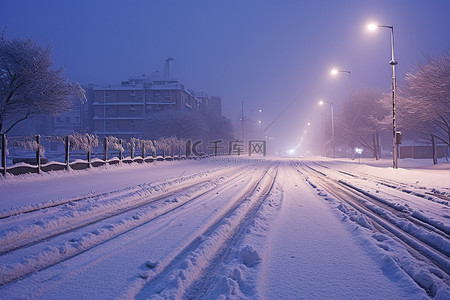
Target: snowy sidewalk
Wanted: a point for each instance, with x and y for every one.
(312, 255)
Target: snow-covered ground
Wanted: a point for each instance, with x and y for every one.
(277, 228)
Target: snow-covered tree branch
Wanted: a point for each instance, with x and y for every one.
(28, 85)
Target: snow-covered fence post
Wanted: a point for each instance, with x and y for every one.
(38, 153)
(89, 140)
(155, 145)
(105, 149)
(4, 153)
(132, 146)
(67, 145)
(143, 149)
(120, 149)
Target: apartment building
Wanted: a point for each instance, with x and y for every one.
(120, 110)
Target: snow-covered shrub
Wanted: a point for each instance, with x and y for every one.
(83, 142)
(114, 143)
(26, 143)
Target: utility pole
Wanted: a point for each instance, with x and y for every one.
(242, 119)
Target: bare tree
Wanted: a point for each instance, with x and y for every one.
(362, 118)
(28, 85)
(427, 99)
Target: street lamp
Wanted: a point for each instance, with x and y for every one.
(393, 63)
(335, 72)
(307, 133)
(260, 128)
(251, 119)
(332, 125)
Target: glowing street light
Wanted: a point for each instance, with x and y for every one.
(393, 63)
(372, 26)
(332, 125)
(335, 72)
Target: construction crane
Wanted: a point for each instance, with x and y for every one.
(166, 72)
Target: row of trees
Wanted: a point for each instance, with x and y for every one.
(187, 125)
(422, 107)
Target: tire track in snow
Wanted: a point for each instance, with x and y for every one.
(430, 280)
(174, 276)
(106, 232)
(122, 201)
(403, 211)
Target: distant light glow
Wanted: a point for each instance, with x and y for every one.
(372, 26)
(309, 124)
(334, 72)
(321, 102)
(359, 150)
(291, 151)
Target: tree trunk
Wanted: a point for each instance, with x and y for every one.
(377, 145)
(375, 148)
(434, 149)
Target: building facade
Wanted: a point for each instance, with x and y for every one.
(120, 110)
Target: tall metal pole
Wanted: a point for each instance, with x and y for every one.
(332, 129)
(393, 63)
(242, 120)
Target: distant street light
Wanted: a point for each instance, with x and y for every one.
(251, 118)
(260, 128)
(332, 125)
(393, 63)
(335, 72)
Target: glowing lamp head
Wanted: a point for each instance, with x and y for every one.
(321, 102)
(309, 124)
(372, 26)
(334, 72)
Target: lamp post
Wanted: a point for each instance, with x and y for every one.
(332, 125)
(393, 63)
(307, 133)
(336, 72)
(251, 119)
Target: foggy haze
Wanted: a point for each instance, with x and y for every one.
(269, 54)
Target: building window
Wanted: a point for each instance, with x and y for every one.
(140, 98)
(133, 93)
(132, 122)
(67, 119)
(132, 108)
(106, 94)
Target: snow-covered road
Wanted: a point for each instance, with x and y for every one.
(212, 229)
